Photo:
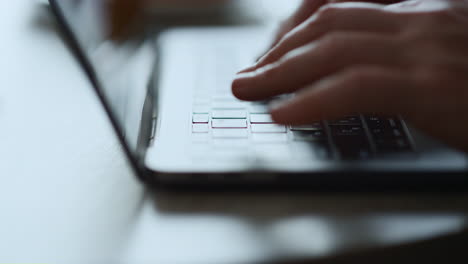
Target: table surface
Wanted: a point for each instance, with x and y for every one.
(67, 194)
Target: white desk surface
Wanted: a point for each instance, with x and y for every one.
(67, 194)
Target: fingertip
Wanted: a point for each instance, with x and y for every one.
(280, 115)
(293, 112)
(248, 69)
(240, 86)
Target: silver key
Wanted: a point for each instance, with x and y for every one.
(229, 105)
(200, 128)
(261, 119)
(229, 123)
(229, 114)
(259, 109)
(312, 127)
(230, 133)
(268, 128)
(201, 118)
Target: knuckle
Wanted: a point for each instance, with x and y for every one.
(358, 75)
(436, 18)
(431, 76)
(426, 23)
(327, 13)
(332, 43)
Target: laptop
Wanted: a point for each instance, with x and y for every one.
(169, 100)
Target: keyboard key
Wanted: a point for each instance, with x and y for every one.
(349, 120)
(374, 122)
(201, 118)
(269, 138)
(200, 128)
(261, 119)
(381, 133)
(394, 122)
(230, 133)
(201, 109)
(268, 128)
(229, 114)
(259, 109)
(224, 97)
(229, 123)
(351, 142)
(388, 146)
(313, 127)
(342, 130)
(318, 135)
(389, 135)
(379, 122)
(353, 147)
(229, 105)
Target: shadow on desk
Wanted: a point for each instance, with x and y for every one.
(354, 222)
(449, 248)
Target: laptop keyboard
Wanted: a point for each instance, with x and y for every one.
(353, 137)
(219, 119)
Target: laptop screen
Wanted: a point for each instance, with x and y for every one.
(120, 72)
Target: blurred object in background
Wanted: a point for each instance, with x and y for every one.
(129, 16)
(123, 16)
(187, 6)
(126, 15)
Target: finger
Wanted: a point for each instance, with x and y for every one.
(307, 8)
(310, 63)
(364, 89)
(334, 18)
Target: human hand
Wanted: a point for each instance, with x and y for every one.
(307, 9)
(409, 59)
